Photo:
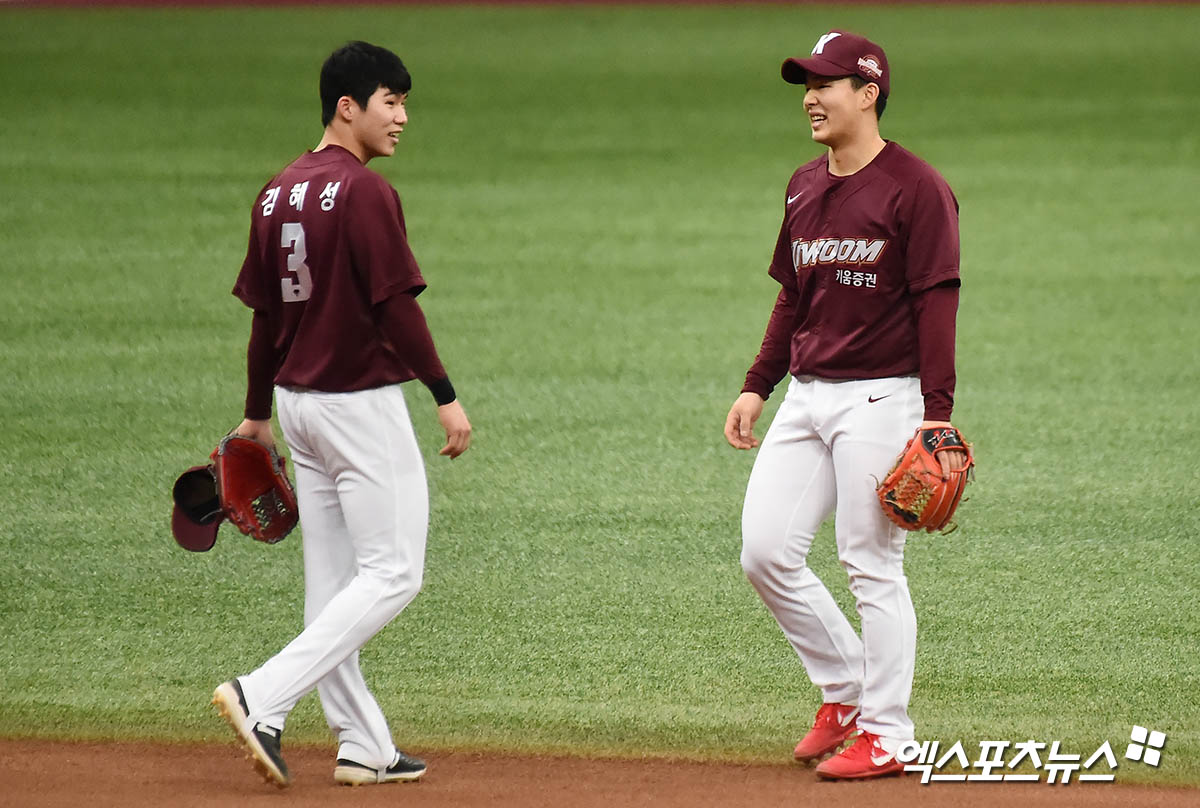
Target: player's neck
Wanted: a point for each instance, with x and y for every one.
(852, 156)
(333, 137)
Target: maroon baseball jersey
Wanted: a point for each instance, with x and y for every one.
(327, 243)
(855, 250)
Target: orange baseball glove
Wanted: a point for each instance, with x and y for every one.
(913, 494)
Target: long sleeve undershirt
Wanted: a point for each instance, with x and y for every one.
(403, 324)
(936, 310)
(261, 364)
(775, 356)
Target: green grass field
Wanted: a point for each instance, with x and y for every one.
(594, 195)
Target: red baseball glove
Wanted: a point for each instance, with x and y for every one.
(256, 494)
(913, 494)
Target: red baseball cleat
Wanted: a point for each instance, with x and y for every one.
(833, 725)
(865, 758)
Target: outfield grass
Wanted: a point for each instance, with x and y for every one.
(594, 195)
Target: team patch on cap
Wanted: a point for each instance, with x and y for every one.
(869, 64)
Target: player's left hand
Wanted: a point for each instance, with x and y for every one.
(951, 459)
(458, 429)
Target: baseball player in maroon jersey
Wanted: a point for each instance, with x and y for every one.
(336, 330)
(867, 261)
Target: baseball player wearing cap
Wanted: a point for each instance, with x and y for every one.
(868, 266)
(336, 329)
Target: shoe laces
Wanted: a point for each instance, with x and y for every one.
(864, 745)
(269, 736)
(830, 715)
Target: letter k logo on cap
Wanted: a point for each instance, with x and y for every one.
(819, 48)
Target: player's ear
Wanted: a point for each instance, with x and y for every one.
(869, 96)
(346, 107)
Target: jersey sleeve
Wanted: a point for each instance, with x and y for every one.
(932, 250)
(250, 286)
(775, 353)
(379, 243)
(782, 268)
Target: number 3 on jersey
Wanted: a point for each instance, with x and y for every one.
(292, 235)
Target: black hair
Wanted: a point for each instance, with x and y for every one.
(358, 69)
(858, 82)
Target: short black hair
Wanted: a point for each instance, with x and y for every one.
(858, 82)
(358, 69)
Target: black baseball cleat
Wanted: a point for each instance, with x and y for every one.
(261, 741)
(406, 769)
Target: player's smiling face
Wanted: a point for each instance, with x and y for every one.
(377, 128)
(833, 107)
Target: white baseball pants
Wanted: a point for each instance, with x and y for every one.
(364, 512)
(830, 442)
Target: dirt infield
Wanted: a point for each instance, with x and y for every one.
(95, 775)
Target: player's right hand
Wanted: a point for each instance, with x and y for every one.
(258, 430)
(739, 425)
(458, 429)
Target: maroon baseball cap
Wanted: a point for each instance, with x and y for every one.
(197, 514)
(838, 54)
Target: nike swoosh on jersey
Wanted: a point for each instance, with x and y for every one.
(792, 199)
(873, 399)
